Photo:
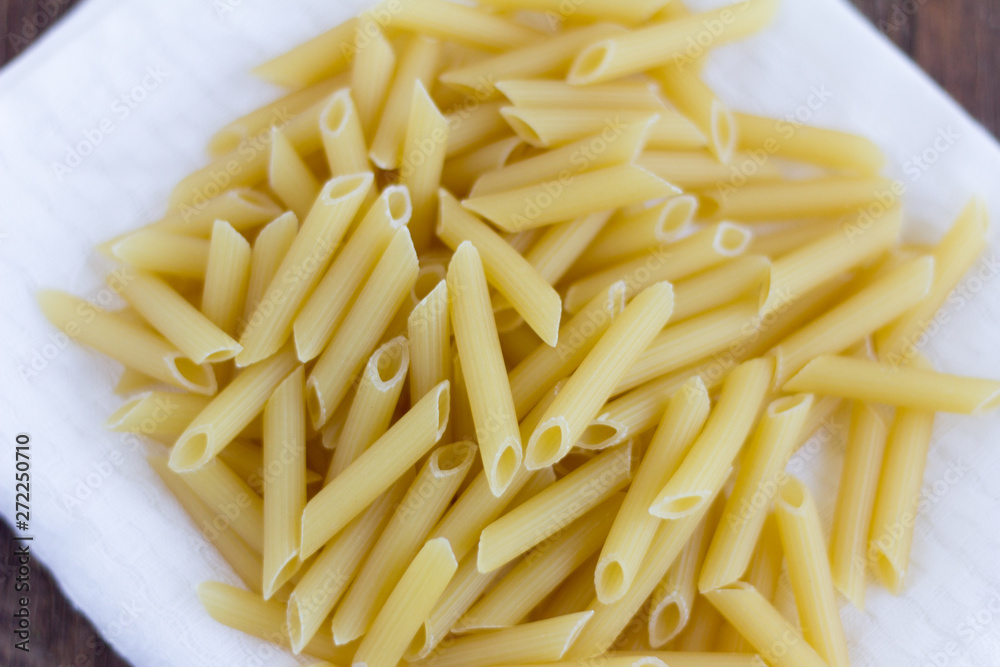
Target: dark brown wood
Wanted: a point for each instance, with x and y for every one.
(956, 41)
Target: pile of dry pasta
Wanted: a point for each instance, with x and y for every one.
(494, 337)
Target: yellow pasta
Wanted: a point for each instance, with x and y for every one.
(158, 414)
(164, 252)
(227, 276)
(462, 171)
(546, 126)
(598, 374)
(760, 475)
(179, 322)
(743, 276)
(634, 527)
(461, 23)
(546, 93)
(269, 249)
(561, 245)
(483, 369)
(371, 76)
(706, 466)
(220, 489)
(472, 125)
(330, 302)
(701, 170)
(693, 98)
(284, 481)
(241, 207)
(271, 323)
(809, 572)
(660, 43)
(633, 12)
(424, 147)
(343, 136)
(855, 501)
(312, 61)
(411, 601)
(289, 177)
(771, 201)
(628, 234)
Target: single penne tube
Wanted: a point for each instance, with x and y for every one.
(773, 201)
(634, 527)
(128, 343)
(692, 97)
(312, 61)
(284, 481)
(429, 332)
(761, 472)
(343, 136)
(243, 208)
(424, 147)
(508, 271)
(541, 571)
(410, 603)
(874, 306)
(545, 127)
(844, 248)
(325, 581)
(249, 613)
(465, 587)
(561, 245)
(463, 24)
(419, 510)
(230, 411)
(672, 610)
(280, 111)
(660, 43)
(706, 466)
(607, 148)
(611, 619)
(702, 250)
(905, 386)
(763, 626)
(545, 366)
(289, 177)
(823, 147)
(598, 374)
(953, 256)
(542, 641)
(477, 507)
(463, 171)
(634, 12)
(716, 287)
(158, 414)
(856, 501)
(534, 520)
(418, 62)
(164, 252)
(628, 234)
(375, 470)
(809, 572)
(177, 320)
(301, 268)
(246, 562)
(683, 344)
(219, 488)
(701, 170)
(483, 368)
(371, 76)
(471, 126)
(543, 93)
(365, 323)
(269, 249)
(227, 276)
(545, 56)
(333, 297)
(898, 495)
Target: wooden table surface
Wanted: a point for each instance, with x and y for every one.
(955, 41)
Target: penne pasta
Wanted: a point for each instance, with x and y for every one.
(546, 127)
(371, 76)
(158, 414)
(300, 270)
(429, 333)
(561, 245)
(164, 252)
(269, 249)
(628, 234)
(243, 208)
(128, 343)
(773, 201)
(483, 368)
(472, 125)
(343, 137)
(424, 147)
(411, 601)
(760, 475)
(701, 170)
(337, 291)
(634, 527)
(463, 24)
(219, 488)
(634, 12)
(719, 286)
(545, 93)
(573, 595)
(707, 464)
(230, 412)
(374, 470)
(289, 177)
(598, 374)
(227, 276)
(462, 171)
(693, 98)
(284, 480)
(312, 61)
(809, 572)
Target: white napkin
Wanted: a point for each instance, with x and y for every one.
(114, 106)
